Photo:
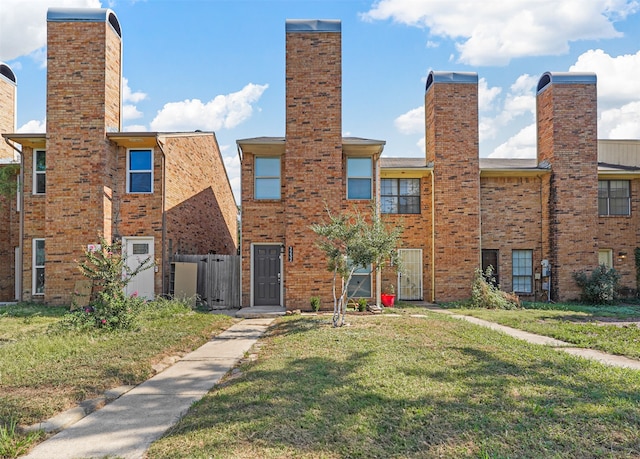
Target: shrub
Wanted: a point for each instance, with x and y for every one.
(599, 287)
(110, 308)
(315, 303)
(488, 295)
(362, 304)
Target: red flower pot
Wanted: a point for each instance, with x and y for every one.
(387, 299)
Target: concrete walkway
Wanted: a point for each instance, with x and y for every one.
(127, 426)
(602, 357)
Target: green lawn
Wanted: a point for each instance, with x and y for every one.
(584, 326)
(397, 387)
(44, 373)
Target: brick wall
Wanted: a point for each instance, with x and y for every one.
(9, 240)
(7, 112)
(621, 234)
(263, 221)
(512, 220)
(313, 164)
(451, 112)
(567, 138)
(416, 235)
(83, 103)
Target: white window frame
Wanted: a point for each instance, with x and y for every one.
(365, 274)
(257, 177)
(368, 177)
(528, 275)
(36, 172)
(138, 171)
(35, 267)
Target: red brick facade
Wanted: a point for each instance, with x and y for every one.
(522, 212)
(190, 208)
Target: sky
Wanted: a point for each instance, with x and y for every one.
(218, 65)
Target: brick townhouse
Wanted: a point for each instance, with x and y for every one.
(158, 193)
(536, 221)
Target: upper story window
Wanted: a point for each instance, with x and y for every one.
(400, 196)
(614, 197)
(39, 171)
(359, 178)
(267, 178)
(140, 171)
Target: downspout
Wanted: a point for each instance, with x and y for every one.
(433, 238)
(164, 218)
(21, 222)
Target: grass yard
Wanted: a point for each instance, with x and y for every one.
(585, 326)
(419, 387)
(44, 373)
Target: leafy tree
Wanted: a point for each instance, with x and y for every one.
(351, 241)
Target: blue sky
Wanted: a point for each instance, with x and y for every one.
(218, 65)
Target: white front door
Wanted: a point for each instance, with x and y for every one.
(410, 279)
(138, 250)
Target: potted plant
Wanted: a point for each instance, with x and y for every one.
(388, 297)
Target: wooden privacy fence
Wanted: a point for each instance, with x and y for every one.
(218, 279)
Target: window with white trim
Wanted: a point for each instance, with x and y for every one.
(140, 171)
(267, 178)
(359, 178)
(522, 271)
(39, 171)
(38, 267)
(614, 197)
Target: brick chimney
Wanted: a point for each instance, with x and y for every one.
(84, 78)
(312, 164)
(7, 109)
(567, 140)
(451, 120)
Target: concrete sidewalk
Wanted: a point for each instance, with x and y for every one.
(127, 426)
(602, 357)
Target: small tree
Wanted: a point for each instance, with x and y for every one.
(107, 268)
(350, 242)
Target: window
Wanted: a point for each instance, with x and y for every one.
(38, 267)
(605, 257)
(360, 284)
(400, 196)
(139, 171)
(39, 170)
(267, 178)
(522, 271)
(614, 197)
(359, 178)
(490, 258)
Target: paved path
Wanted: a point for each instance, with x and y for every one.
(602, 357)
(127, 426)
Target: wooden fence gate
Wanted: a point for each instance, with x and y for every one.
(218, 279)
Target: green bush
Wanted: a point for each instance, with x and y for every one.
(488, 295)
(362, 304)
(599, 287)
(315, 303)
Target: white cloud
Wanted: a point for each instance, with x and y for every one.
(224, 111)
(521, 145)
(486, 95)
(33, 126)
(411, 122)
(618, 80)
(130, 112)
(128, 95)
(135, 128)
(23, 25)
(232, 164)
(493, 32)
(620, 123)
